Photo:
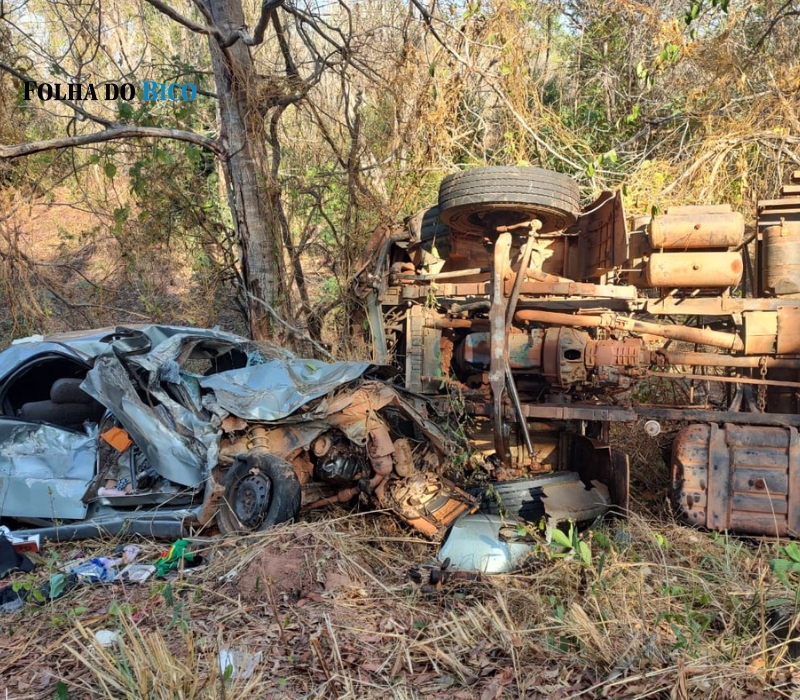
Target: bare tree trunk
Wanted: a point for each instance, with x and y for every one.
(242, 137)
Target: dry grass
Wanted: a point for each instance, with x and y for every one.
(663, 611)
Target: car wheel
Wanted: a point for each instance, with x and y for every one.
(261, 491)
(473, 200)
(521, 498)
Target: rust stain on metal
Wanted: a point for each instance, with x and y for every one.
(743, 478)
(697, 230)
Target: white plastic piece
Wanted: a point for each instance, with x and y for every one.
(652, 428)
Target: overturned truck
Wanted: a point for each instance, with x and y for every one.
(545, 321)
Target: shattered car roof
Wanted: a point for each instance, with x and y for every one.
(88, 344)
(268, 389)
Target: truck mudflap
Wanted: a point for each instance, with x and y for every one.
(743, 478)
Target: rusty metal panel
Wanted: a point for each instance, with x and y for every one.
(780, 263)
(739, 477)
(719, 473)
(423, 350)
(788, 330)
(697, 230)
(713, 306)
(690, 472)
(603, 237)
(794, 483)
(584, 289)
(772, 212)
(760, 332)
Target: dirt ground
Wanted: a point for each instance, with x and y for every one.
(341, 607)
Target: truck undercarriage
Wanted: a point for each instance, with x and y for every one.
(548, 324)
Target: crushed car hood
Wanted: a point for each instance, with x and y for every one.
(181, 438)
(277, 388)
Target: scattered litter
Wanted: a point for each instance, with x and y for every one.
(12, 560)
(171, 560)
(444, 580)
(30, 543)
(96, 570)
(11, 600)
(137, 573)
(129, 553)
(106, 638)
(238, 663)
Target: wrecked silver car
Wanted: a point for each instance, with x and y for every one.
(162, 430)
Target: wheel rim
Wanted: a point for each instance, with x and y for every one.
(252, 500)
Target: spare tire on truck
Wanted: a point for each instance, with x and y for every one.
(474, 200)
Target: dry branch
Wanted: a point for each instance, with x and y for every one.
(115, 132)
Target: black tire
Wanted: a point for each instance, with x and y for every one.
(261, 491)
(427, 229)
(521, 498)
(509, 195)
(426, 225)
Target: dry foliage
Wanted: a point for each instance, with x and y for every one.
(662, 611)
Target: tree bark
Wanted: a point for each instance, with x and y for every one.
(243, 139)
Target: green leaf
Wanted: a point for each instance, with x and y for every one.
(693, 13)
(120, 215)
(169, 598)
(633, 116)
(58, 582)
(94, 159)
(62, 692)
(561, 539)
(125, 110)
(611, 156)
(792, 551)
(781, 568)
(110, 170)
(602, 539)
(584, 553)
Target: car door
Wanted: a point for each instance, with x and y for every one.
(48, 448)
(44, 470)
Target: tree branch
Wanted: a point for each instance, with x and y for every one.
(224, 41)
(779, 15)
(296, 331)
(428, 18)
(78, 110)
(115, 132)
(185, 21)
